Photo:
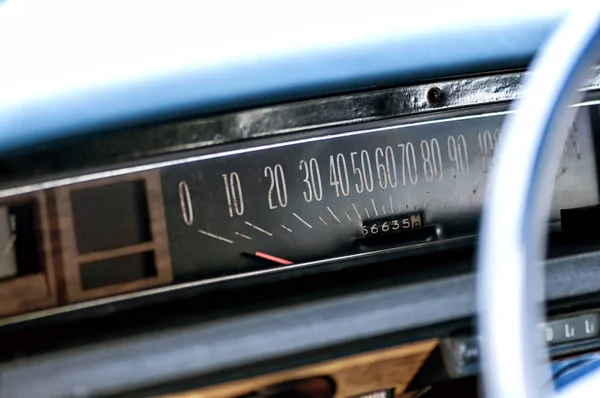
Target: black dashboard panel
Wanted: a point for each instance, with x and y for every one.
(313, 191)
(279, 222)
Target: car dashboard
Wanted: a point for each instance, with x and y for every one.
(290, 216)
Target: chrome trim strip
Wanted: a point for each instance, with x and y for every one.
(363, 107)
(167, 163)
(18, 190)
(103, 151)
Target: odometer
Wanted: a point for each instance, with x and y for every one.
(314, 198)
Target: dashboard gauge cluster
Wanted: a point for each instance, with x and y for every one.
(337, 194)
(347, 193)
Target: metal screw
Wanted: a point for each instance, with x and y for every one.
(434, 96)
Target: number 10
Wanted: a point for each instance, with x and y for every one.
(233, 190)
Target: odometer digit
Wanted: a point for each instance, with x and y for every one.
(388, 225)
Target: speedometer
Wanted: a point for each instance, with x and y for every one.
(341, 193)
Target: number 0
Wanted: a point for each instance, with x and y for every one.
(186, 203)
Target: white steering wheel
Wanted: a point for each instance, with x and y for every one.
(514, 221)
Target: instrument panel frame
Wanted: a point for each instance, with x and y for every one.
(357, 315)
(278, 126)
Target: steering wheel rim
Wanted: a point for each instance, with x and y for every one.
(510, 285)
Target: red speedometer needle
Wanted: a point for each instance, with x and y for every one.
(273, 258)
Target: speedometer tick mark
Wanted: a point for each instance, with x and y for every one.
(391, 204)
(302, 220)
(323, 221)
(357, 213)
(383, 208)
(333, 214)
(367, 212)
(243, 236)
(348, 217)
(374, 207)
(217, 237)
(258, 228)
(286, 228)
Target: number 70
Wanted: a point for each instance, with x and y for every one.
(409, 163)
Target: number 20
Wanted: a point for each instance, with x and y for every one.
(278, 182)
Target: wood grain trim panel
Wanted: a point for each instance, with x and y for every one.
(37, 291)
(24, 294)
(120, 252)
(359, 374)
(71, 288)
(158, 228)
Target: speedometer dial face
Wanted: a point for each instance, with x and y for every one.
(323, 197)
